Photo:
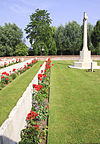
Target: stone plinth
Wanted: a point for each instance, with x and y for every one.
(84, 61)
(84, 65)
(85, 56)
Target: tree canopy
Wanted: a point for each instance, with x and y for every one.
(10, 36)
(39, 30)
(95, 37)
(21, 50)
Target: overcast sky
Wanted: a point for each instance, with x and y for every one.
(61, 11)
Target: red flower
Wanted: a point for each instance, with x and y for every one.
(40, 65)
(44, 75)
(7, 74)
(44, 70)
(34, 85)
(2, 77)
(4, 73)
(37, 89)
(31, 115)
(40, 86)
(14, 69)
(41, 71)
(7, 79)
(39, 75)
(37, 127)
(52, 64)
(40, 79)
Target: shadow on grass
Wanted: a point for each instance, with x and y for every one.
(6, 140)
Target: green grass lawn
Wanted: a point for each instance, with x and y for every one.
(11, 94)
(74, 116)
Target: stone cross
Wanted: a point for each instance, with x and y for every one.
(85, 48)
(85, 61)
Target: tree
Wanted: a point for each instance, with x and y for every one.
(73, 37)
(21, 50)
(39, 29)
(53, 50)
(10, 36)
(42, 48)
(54, 32)
(60, 39)
(2, 50)
(89, 33)
(35, 48)
(98, 49)
(95, 37)
(51, 42)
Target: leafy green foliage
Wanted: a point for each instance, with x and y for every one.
(35, 48)
(21, 50)
(30, 135)
(10, 36)
(60, 39)
(5, 80)
(53, 49)
(39, 30)
(95, 37)
(13, 76)
(98, 48)
(89, 33)
(73, 37)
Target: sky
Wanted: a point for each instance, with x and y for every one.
(61, 11)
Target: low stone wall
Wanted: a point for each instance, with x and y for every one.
(10, 129)
(56, 57)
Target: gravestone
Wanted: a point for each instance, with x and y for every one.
(85, 60)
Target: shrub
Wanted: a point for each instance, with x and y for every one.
(21, 71)
(13, 76)
(5, 80)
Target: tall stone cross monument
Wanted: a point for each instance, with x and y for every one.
(85, 60)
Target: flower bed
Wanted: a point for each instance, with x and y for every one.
(36, 129)
(5, 62)
(6, 77)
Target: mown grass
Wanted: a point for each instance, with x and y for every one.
(74, 116)
(10, 94)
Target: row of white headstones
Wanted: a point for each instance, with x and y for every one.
(11, 128)
(17, 66)
(6, 61)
